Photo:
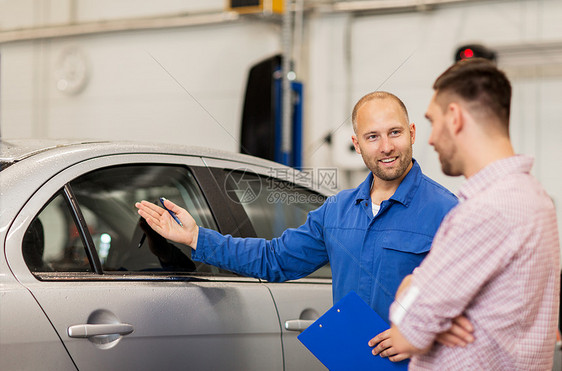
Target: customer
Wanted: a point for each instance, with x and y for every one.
(495, 258)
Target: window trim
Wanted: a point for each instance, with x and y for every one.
(84, 233)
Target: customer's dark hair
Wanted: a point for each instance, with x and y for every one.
(480, 84)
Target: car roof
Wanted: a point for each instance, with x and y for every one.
(13, 151)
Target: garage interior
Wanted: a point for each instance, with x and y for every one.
(177, 71)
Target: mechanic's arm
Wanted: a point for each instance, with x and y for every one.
(298, 252)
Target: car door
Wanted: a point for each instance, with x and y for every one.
(272, 200)
(117, 303)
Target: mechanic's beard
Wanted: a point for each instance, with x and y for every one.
(404, 162)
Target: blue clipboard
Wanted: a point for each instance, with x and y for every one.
(339, 339)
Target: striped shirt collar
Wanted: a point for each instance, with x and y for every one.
(496, 170)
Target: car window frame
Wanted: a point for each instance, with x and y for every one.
(61, 180)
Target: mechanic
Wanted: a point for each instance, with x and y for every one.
(495, 258)
(373, 235)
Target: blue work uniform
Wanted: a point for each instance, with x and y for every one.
(368, 254)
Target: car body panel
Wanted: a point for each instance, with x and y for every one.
(29, 343)
(173, 323)
(305, 299)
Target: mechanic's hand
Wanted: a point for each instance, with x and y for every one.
(383, 346)
(460, 333)
(162, 222)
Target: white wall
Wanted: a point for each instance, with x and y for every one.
(17, 14)
(129, 95)
(182, 85)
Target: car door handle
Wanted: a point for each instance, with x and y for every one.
(298, 324)
(86, 331)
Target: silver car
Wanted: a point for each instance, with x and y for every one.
(81, 288)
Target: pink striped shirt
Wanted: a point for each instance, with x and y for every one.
(494, 259)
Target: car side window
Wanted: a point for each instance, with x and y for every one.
(52, 242)
(274, 205)
(107, 197)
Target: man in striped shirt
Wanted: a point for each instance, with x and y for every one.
(495, 257)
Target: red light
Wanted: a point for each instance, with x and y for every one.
(467, 53)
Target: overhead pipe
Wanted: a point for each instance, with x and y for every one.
(385, 5)
(77, 29)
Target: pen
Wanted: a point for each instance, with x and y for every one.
(142, 240)
(162, 199)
